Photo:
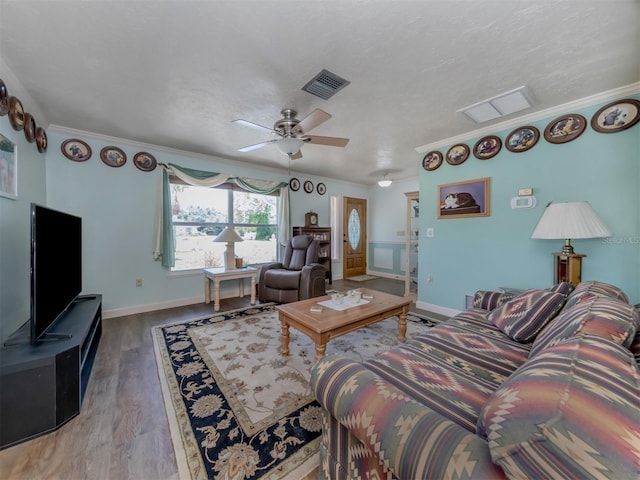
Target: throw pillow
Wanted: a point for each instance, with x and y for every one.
(490, 299)
(565, 288)
(586, 290)
(570, 412)
(602, 316)
(524, 316)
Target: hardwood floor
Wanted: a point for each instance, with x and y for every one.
(122, 431)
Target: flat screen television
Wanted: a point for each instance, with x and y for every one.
(56, 266)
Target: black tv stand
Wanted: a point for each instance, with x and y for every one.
(43, 384)
(50, 337)
(84, 298)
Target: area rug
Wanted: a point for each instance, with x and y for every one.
(362, 278)
(237, 408)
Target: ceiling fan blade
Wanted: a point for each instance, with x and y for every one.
(331, 141)
(256, 146)
(311, 121)
(296, 156)
(255, 126)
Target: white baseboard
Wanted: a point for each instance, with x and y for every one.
(152, 307)
(430, 307)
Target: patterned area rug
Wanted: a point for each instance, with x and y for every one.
(237, 408)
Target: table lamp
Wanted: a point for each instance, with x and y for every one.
(230, 236)
(566, 221)
(570, 220)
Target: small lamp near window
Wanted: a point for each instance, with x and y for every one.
(230, 236)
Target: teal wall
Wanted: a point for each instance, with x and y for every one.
(15, 289)
(117, 206)
(469, 254)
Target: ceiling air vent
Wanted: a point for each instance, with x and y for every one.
(325, 84)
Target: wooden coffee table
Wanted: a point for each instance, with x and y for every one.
(328, 324)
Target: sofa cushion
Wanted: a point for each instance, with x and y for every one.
(490, 299)
(602, 316)
(565, 288)
(570, 412)
(590, 289)
(524, 316)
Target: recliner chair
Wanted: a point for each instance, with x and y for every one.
(297, 277)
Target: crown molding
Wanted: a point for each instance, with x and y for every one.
(609, 95)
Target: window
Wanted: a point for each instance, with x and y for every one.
(201, 213)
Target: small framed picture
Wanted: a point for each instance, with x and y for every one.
(457, 154)
(16, 113)
(113, 156)
(565, 128)
(8, 168)
(294, 184)
(4, 99)
(145, 161)
(321, 188)
(464, 199)
(308, 186)
(522, 139)
(29, 127)
(41, 139)
(487, 147)
(616, 116)
(76, 150)
(432, 160)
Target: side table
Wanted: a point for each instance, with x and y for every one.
(216, 275)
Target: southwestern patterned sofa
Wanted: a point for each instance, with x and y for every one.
(540, 385)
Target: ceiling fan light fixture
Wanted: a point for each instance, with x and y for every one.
(289, 145)
(384, 182)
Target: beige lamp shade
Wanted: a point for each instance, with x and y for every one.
(570, 220)
(230, 236)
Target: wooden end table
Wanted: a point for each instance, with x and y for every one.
(216, 275)
(328, 324)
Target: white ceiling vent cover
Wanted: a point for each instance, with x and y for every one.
(325, 84)
(498, 106)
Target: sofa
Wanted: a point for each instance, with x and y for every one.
(543, 384)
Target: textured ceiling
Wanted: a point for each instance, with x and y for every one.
(176, 73)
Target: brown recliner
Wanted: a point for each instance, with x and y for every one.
(297, 277)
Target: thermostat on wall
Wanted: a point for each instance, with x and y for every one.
(523, 202)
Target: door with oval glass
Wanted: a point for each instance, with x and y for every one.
(354, 228)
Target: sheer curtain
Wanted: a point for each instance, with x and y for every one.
(164, 238)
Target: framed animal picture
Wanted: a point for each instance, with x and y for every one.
(616, 116)
(565, 128)
(470, 198)
(522, 139)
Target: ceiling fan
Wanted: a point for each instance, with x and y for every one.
(292, 133)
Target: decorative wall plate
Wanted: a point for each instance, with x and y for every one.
(4, 99)
(16, 113)
(113, 156)
(487, 147)
(522, 139)
(294, 184)
(41, 139)
(76, 150)
(29, 127)
(457, 154)
(565, 128)
(616, 116)
(432, 160)
(308, 186)
(145, 161)
(321, 188)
